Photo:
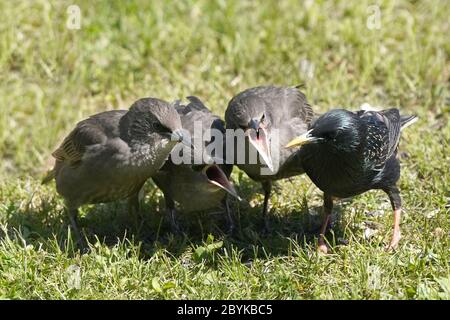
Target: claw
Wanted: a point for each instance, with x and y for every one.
(322, 246)
(396, 236)
(394, 241)
(175, 228)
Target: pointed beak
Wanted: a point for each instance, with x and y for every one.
(217, 177)
(301, 140)
(261, 144)
(179, 136)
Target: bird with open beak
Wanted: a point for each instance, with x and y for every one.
(110, 155)
(267, 114)
(346, 154)
(197, 186)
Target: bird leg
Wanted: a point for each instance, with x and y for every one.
(134, 208)
(396, 202)
(396, 235)
(72, 213)
(133, 204)
(229, 218)
(171, 212)
(267, 187)
(328, 208)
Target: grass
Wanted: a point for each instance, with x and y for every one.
(51, 77)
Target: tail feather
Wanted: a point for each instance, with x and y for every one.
(406, 121)
(196, 103)
(48, 177)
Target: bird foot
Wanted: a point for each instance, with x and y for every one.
(322, 247)
(267, 228)
(79, 241)
(77, 237)
(83, 247)
(394, 241)
(230, 230)
(174, 226)
(137, 227)
(176, 229)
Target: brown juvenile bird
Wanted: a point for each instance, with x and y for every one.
(264, 114)
(110, 155)
(201, 186)
(346, 153)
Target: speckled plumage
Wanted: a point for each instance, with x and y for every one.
(351, 153)
(356, 152)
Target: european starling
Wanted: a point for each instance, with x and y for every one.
(346, 154)
(197, 187)
(262, 113)
(110, 155)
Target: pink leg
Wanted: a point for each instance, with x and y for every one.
(328, 209)
(396, 236)
(322, 246)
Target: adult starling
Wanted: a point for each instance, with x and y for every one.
(346, 154)
(110, 155)
(265, 113)
(202, 186)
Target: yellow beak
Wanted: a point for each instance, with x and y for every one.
(300, 140)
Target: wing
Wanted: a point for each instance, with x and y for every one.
(393, 123)
(298, 106)
(383, 135)
(194, 112)
(72, 149)
(196, 104)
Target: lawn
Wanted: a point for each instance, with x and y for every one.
(385, 53)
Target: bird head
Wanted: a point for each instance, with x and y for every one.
(151, 118)
(217, 179)
(338, 129)
(250, 114)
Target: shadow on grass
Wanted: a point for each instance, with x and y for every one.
(45, 219)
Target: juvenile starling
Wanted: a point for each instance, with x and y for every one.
(197, 187)
(263, 112)
(110, 155)
(346, 154)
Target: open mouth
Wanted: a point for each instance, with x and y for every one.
(259, 140)
(218, 178)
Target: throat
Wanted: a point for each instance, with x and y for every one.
(150, 156)
(327, 167)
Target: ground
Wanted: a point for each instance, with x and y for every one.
(53, 74)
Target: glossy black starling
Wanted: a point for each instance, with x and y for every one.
(197, 186)
(267, 113)
(110, 155)
(346, 154)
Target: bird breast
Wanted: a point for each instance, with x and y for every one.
(340, 175)
(192, 190)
